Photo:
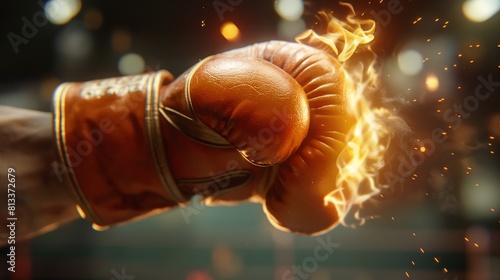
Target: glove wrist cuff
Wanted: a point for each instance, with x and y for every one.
(110, 147)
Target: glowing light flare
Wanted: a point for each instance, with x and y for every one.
(60, 12)
(432, 82)
(230, 31)
(480, 10)
(362, 158)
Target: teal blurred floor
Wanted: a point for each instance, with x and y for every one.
(239, 243)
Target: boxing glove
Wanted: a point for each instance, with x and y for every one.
(264, 123)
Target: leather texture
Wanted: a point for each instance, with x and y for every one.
(263, 123)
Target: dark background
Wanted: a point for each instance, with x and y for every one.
(437, 210)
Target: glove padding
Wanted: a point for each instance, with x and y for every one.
(235, 94)
(263, 123)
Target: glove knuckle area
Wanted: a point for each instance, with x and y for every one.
(255, 105)
(297, 200)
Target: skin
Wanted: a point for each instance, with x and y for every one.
(42, 202)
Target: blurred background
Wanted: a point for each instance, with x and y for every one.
(439, 221)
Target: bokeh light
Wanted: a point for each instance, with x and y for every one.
(289, 9)
(480, 10)
(432, 82)
(93, 19)
(74, 41)
(494, 124)
(230, 31)
(287, 30)
(410, 62)
(480, 188)
(131, 64)
(62, 11)
(121, 40)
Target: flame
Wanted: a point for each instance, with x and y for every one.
(367, 142)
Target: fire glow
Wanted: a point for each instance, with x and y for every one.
(367, 142)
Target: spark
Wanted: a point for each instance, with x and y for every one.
(436, 259)
(441, 100)
(413, 262)
(436, 20)
(492, 137)
(203, 23)
(476, 245)
(422, 250)
(417, 20)
(460, 55)
(445, 270)
(492, 209)
(445, 168)
(407, 274)
(414, 234)
(466, 239)
(422, 149)
(472, 61)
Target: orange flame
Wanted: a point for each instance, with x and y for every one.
(367, 142)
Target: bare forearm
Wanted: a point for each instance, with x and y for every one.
(41, 200)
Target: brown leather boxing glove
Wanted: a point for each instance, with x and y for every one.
(263, 123)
